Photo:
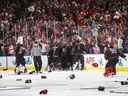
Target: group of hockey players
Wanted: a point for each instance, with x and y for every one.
(67, 55)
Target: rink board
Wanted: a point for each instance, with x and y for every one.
(89, 59)
(87, 68)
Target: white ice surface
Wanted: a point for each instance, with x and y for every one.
(58, 83)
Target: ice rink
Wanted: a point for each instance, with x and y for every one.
(58, 83)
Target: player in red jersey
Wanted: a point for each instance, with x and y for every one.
(112, 55)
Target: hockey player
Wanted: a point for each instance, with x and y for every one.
(78, 52)
(53, 57)
(63, 56)
(112, 55)
(20, 60)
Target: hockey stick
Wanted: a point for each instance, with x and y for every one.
(121, 81)
(119, 92)
(2, 86)
(89, 88)
(14, 88)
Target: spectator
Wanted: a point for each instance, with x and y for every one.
(54, 19)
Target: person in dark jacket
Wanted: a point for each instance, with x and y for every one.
(54, 59)
(78, 53)
(20, 60)
(63, 57)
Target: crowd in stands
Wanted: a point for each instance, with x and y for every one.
(97, 22)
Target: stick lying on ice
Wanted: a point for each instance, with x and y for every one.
(119, 92)
(87, 88)
(2, 86)
(14, 88)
